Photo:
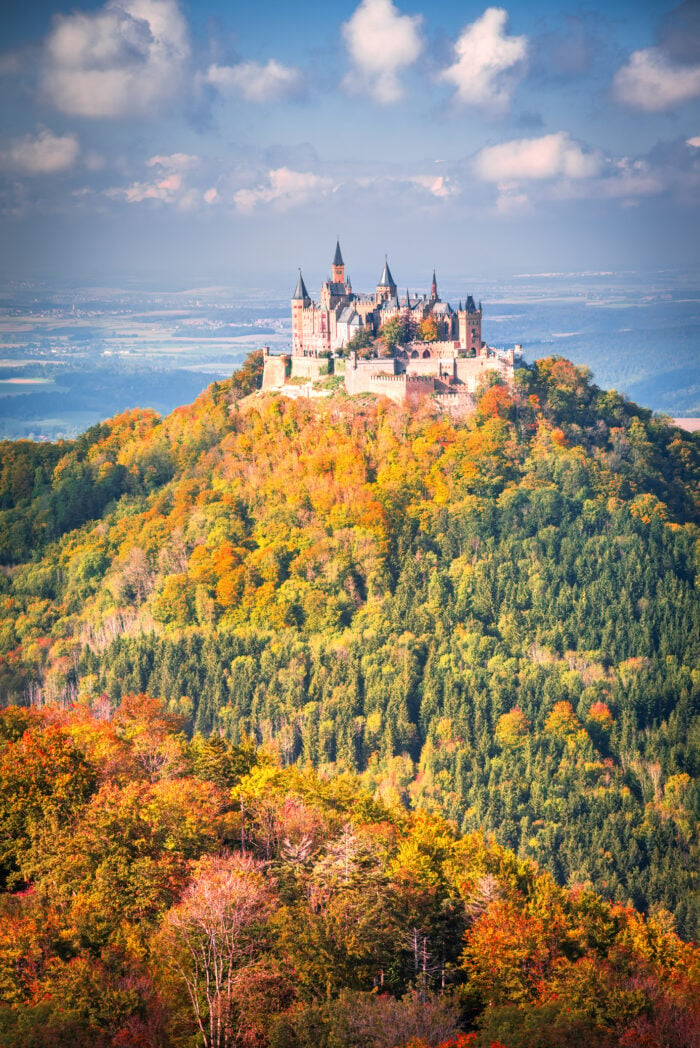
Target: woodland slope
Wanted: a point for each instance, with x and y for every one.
(495, 620)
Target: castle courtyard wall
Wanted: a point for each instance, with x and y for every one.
(310, 367)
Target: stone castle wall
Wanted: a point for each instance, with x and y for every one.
(275, 370)
(311, 368)
(404, 389)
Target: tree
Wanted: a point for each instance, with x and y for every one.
(397, 331)
(360, 343)
(512, 728)
(248, 378)
(44, 780)
(214, 937)
(428, 330)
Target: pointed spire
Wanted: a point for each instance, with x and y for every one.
(300, 292)
(433, 287)
(408, 298)
(386, 279)
(460, 305)
(337, 257)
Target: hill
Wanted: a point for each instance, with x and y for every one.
(495, 620)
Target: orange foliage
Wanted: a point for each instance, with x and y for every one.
(601, 715)
(496, 402)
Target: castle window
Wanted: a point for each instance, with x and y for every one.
(426, 354)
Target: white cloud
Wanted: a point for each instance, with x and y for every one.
(381, 42)
(693, 142)
(488, 63)
(125, 58)
(257, 83)
(510, 200)
(558, 168)
(551, 156)
(42, 154)
(440, 186)
(285, 189)
(649, 81)
(169, 184)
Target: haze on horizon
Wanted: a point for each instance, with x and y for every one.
(189, 144)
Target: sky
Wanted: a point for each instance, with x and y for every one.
(181, 144)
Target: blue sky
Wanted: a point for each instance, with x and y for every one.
(185, 144)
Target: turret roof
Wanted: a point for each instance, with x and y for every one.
(300, 291)
(337, 257)
(386, 279)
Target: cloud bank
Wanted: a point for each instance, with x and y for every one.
(125, 59)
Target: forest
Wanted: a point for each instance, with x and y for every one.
(160, 891)
(488, 625)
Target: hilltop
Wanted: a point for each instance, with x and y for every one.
(494, 619)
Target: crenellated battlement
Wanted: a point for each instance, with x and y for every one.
(406, 379)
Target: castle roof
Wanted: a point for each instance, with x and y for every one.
(386, 279)
(300, 292)
(471, 308)
(337, 257)
(336, 288)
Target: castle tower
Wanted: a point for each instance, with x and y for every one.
(386, 288)
(338, 266)
(300, 302)
(469, 321)
(434, 297)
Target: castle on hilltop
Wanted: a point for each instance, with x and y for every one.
(434, 350)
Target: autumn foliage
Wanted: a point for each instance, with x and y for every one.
(482, 633)
(147, 904)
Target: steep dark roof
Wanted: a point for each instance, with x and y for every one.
(471, 308)
(386, 279)
(300, 291)
(337, 257)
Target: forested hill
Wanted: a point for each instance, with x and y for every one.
(495, 619)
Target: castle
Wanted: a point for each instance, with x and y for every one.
(434, 350)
